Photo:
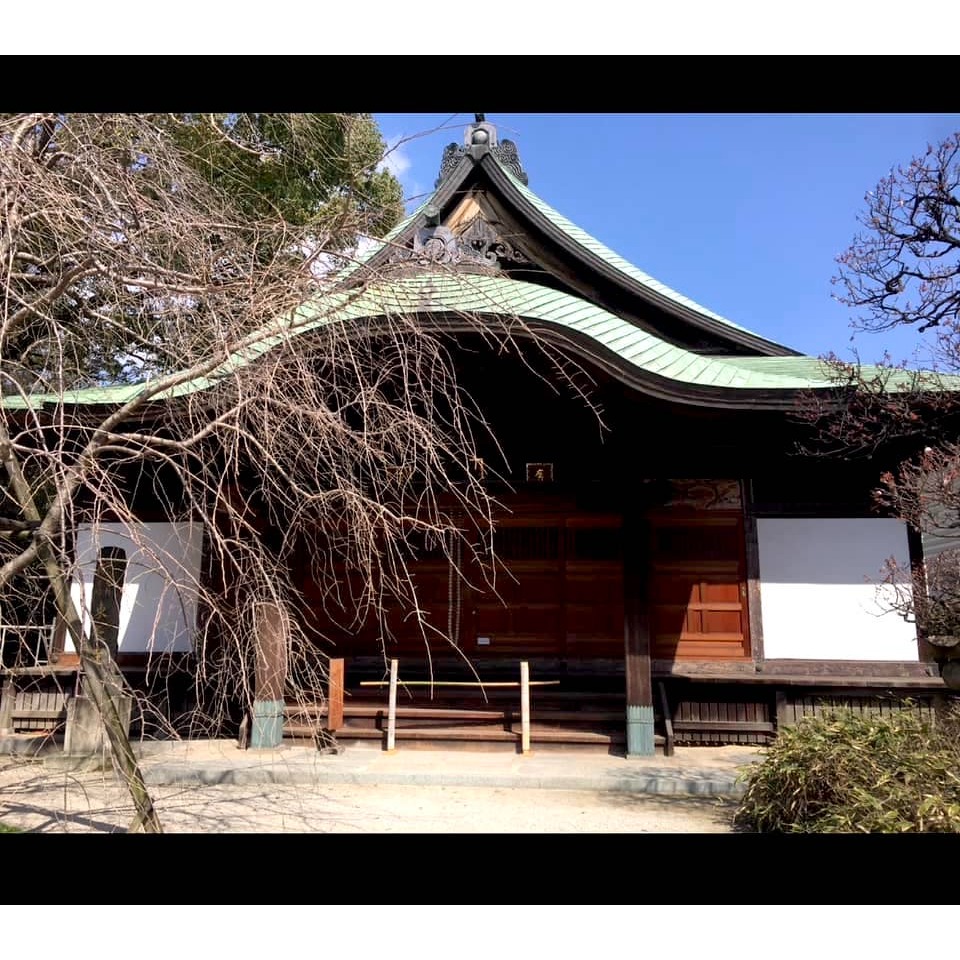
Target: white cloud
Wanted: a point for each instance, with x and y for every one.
(395, 159)
(398, 162)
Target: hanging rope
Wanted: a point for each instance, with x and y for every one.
(454, 588)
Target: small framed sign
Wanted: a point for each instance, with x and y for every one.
(539, 473)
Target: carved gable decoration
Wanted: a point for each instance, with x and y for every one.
(474, 244)
(706, 494)
(480, 242)
(471, 238)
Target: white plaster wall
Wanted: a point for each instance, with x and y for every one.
(158, 606)
(820, 593)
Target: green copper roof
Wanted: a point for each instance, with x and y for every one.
(452, 295)
(612, 259)
(457, 171)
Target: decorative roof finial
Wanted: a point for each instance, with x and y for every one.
(480, 138)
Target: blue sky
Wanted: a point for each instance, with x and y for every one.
(744, 213)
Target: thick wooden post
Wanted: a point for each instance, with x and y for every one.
(7, 700)
(524, 707)
(392, 707)
(335, 695)
(636, 634)
(752, 562)
(270, 676)
(780, 710)
(667, 721)
(105, 600)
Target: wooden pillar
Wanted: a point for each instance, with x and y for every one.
(752, 564)
(636, 633)
(8, 699)
(667, 720)
(270, 676)
(524, 707)
(780, 710)
(105, 600)
(392, 706)
(335, 695)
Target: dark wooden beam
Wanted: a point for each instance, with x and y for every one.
(636, 633)
(752, 564)
(8, 699)
(270, 676)
(107, 593)
(927, 653)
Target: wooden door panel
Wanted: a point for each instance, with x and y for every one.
(712, 648)
(491, 618)
(558, 590)
(697, 587)
(722, 621)
(602, 621)
(598, 588)
(719, 592)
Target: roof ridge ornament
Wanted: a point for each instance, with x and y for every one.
(480, 137)
(479, 244)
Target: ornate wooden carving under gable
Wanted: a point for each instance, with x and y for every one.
(477, 244)
(706, 494)
(430, 245)
(480, 242)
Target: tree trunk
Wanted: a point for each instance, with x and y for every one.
(102, 680)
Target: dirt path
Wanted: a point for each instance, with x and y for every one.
(45, 802)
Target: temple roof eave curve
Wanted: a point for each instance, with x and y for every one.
(457, 302)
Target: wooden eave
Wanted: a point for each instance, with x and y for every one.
(651, 384)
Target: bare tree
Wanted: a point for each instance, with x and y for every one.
(272, 412)
(903, 270)
(905, 267)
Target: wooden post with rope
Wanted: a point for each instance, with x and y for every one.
(524, 707)
(392, 707)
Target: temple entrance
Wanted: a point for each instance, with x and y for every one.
(555, 591)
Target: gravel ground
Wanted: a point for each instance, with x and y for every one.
(47, 802)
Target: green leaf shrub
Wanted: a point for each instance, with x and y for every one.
(846, 772)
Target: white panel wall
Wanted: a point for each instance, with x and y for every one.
(819, 592)
(158, 607)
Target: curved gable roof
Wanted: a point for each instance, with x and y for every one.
(453, 301)
(634, 279)
(579, 262)
(757, 373)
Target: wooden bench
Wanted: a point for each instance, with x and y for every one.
(12, 716)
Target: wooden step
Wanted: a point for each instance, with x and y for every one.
(489, 734)
(507, 714)
(565, 701)
(379, 710)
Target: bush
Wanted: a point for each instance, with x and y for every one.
(847, 773)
